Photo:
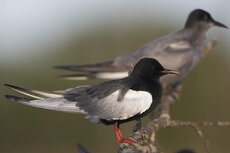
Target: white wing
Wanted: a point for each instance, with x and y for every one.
(134, 102)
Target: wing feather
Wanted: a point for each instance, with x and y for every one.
(134, 102)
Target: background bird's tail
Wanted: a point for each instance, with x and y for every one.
(90, 68)
(46, 100)
(104, 70)
(96, 75)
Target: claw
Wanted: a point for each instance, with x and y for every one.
(126, 140)
(120, 137)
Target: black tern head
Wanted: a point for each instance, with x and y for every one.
(202, 19)
(150, 68)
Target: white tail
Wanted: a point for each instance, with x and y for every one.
(46, 100)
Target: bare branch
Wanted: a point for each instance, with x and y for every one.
(81, 149)
(209, 47)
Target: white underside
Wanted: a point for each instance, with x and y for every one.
(134, 102)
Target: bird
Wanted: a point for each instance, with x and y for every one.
(111, 103)
(179, 51)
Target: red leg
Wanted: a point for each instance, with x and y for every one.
(119, 135)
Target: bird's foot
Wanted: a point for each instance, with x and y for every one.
(120, 137)
(126, 140)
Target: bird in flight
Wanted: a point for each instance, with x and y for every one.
(112, 102)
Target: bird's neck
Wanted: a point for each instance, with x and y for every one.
(156, 88)
(156, 92)
(196, 35)
(152, 86)
(197, 29)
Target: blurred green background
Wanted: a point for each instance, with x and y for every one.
(37, 35)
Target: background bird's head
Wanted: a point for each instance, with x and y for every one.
(202, 20)
(150, 69)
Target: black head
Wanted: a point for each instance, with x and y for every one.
(151, 69)
(202, 19)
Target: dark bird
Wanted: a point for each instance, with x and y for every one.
(178, 51)
(112, 102)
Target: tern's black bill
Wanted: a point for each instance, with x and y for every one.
(218, 24)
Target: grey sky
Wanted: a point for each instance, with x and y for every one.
(29, 24)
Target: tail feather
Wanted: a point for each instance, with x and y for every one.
(34, 93)
(79, 76)
(17, 99)
(51, 101)
(58, 104)
(101, 67)
(98, 75)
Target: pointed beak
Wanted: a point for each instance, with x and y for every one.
(218, 24)
(167, 71)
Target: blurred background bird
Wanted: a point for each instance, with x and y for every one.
(180, 50)
(36, 35)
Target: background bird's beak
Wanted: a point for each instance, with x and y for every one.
(167, 71)
(218, 24)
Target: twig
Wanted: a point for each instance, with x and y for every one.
(209, 47)
(195, 127)
(81, 149)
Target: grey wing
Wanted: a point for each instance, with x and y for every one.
(99, 91)
(170, 51)
(109, 108)
(101, 102)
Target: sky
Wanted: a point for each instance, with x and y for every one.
(38, 25)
